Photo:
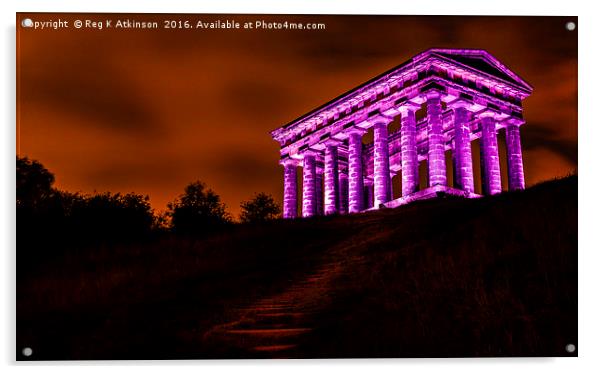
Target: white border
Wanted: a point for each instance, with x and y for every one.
(590, 126)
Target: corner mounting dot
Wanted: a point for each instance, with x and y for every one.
(570, 26)
(27, 22)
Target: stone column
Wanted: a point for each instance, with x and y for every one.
(356, 172)
(490, 159)
(310, 203)
(436, 141)
(463, 174)
(289, 209)
(343, 193)
(409, 154)
(382, 172)
(331, 179)
(516, 176)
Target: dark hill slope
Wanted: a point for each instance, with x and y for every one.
(448, 277)
(489, 277)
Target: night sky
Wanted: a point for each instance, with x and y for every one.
(149, 111)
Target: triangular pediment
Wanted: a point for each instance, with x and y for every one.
(483, 61)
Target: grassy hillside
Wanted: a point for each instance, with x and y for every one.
(450, 277)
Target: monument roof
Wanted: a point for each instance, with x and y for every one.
(478, 60)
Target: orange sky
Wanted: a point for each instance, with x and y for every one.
(149, 111)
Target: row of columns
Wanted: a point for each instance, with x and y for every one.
(345, 193)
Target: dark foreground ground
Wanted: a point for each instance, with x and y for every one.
(490, 277)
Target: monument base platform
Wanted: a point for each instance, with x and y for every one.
(428, 193)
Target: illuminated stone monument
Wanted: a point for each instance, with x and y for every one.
(442, 100)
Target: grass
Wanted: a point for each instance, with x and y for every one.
(443, 278)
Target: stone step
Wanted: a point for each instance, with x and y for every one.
(262, 324)
(279, 314)
(314, 280)
(253, 337)
(282, 332)
(276, 326)
(287, 303)
(269, 308)
(270, 323)
(310, 284)
(281, 320)
(274, 347)
(304, 289)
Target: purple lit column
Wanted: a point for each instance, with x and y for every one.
(409, 154)
(436, 142)
(331, 179)
(463, 174)
(290, 189)
(382, 173)
(516, 176)
(343, 193)
(490, 159)
(309, 185)
(356, 173)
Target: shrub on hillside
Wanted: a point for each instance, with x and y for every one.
(261, 208)
(198, 210)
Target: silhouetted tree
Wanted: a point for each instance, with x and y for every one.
(34, 183)
(261, 208)
(198, 210)
(48, 219)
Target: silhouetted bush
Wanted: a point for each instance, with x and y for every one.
(198, 210)
(261, 208)
(50, 221)
(108, 215)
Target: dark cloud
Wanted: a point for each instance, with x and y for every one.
(358, 43)
(534, 135)
(130, 172)
(79, 80)
(245, 167)
(259, 99)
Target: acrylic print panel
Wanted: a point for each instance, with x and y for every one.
(199, 186)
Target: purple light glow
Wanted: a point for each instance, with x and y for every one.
(436, 141)
(290, 190)
(462, 151)
(331, 180)
(516, 177)
(354, 177)
(310, 203)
